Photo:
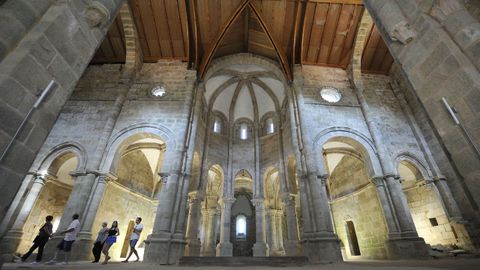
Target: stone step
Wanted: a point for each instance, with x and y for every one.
(243, 261)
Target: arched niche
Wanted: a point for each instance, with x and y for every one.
(134, 160)
(55, 171)
(356, 210)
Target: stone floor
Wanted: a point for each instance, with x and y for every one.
(444, 263)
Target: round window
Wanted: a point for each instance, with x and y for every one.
(158, 91)
(330, 94)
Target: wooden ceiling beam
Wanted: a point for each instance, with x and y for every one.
(278, 49)
(192, 29)
(346, 2)
(298, 30)
(210, 52)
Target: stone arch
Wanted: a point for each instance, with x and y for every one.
(359, 141)
(122, 137)
(240, 180)
(134, 57)
(62, 149)
(245, 58)
(410, 158)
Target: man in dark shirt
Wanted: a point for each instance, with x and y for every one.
(39, 242)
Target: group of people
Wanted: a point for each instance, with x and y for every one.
(105, 239)
(108, 236)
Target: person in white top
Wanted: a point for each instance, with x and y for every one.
(137, 230)
(67, 242)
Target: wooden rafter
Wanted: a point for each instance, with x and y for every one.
(278, 49)
(210, 52)
(297, 30)
(347, 2)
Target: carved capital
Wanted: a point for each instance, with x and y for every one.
(96, 14)
(377, 181)
(402, 33)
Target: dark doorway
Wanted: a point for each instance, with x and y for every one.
(242, 231)
(352, 239)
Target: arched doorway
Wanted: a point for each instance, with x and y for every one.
(210, 228)
(53, 197)
(132, 191)
(356, 210)
(242, 232)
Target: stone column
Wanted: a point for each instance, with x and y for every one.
(451, 206)
(403, 241)
(161, 247)
(83, 244)
(268, 230)
(291, 243)
(210, 232)
(400, 205)
(194, 215)
(225, 247)
(260, 248)
(12, 238)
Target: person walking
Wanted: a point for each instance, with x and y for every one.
(40, 240)
(98, 245)
(137, 230)
(66, 244)
(113, 232)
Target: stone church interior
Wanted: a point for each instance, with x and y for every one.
(323, 130)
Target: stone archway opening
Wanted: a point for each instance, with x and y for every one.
(426, 208)
(243, 214)
(354, 201)
(132, 190)
(53, 197)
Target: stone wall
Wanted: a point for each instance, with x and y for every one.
(36, 49)
(370, 228)
(51, 201)
(320, 114)
(424, 205)
(442, 61)
(448, 168)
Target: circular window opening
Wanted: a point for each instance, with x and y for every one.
(330, 94)
(158, 91)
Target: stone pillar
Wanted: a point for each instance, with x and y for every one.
(384, 200)
(268, 231)
(260, 248)
(400, 205)
(163, 246)
(291, 243)
(12, 238)
(210, 226)
(322, 245)
(451, 206)
(83, 245)
(225, 247)
(194, 215)
(403, 241)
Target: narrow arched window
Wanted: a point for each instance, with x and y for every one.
(241, 225)
(217, 125)
(243, 131)
(270, 126)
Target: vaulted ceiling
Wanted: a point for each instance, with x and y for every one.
(308, 32)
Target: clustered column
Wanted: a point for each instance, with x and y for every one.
(225, 247)
(193, 243)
